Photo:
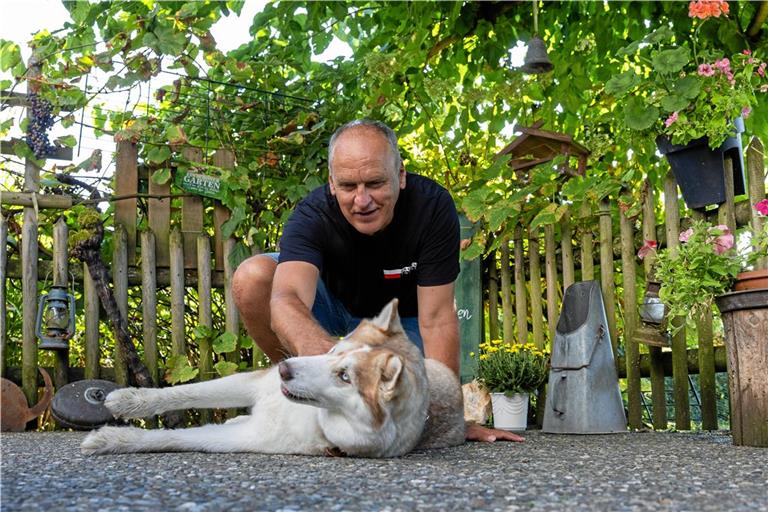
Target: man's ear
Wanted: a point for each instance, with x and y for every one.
(390, 374)
(401, 176)
(330, 183)
(388, 320)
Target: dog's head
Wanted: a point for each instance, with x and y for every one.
(371, 386)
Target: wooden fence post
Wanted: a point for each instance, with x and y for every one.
(60, 278)
(178, 341)
(191, 214)
(225, 159)
(679, 356)
(727, 212)
(120, 283)
(587, 245)
(127, 184)
(521, 304)
(658, 394)
(508, 332)
(159, 220)
(607, 270)
(29, 257)
(537, 310)
(91, 310)
(205, 312)
(493, 297)
(149, 302)
(632, 350)
(566, 244)
(756, 175)
(231, 315)
(550, 270)
(707, 384)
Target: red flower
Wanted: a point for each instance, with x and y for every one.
(648, 247)
(704, 9)
(762, 207)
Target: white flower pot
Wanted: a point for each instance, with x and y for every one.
(510, 413)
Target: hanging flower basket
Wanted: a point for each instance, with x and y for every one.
(700, 170)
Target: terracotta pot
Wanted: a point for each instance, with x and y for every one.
(754, 280)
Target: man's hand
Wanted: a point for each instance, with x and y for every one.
(477, 432)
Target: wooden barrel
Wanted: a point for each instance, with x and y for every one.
(745, 318)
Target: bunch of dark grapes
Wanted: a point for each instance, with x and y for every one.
(40, 121)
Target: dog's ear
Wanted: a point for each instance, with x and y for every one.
(390, 374)
(388, 320)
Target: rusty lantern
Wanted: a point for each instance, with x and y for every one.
(55, 314)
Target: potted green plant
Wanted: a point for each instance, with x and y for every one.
(706, 264)
(705, 268)
(693, 104)
(510, 372)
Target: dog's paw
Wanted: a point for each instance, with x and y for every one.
(131, 403)
(111, 440)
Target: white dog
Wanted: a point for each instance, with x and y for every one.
(372, 395)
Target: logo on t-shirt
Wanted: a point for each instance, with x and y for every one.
(399, 272)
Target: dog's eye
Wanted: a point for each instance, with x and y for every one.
(344, 376)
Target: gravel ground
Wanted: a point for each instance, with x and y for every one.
(633, 471)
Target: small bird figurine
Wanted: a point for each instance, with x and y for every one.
(92, 163)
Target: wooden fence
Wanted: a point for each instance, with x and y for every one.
(175, 251)
(181, 254)
(519, 276)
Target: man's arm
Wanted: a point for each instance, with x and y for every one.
(439, 325)
(293, 293)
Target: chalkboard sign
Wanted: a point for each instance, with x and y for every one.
(469, 307)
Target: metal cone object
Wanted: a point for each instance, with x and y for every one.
(583, 395)
(536, 60)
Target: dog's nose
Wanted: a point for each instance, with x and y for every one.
(285, 370)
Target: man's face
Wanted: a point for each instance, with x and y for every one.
(365, 179)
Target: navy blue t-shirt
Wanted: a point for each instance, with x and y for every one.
(419, 247)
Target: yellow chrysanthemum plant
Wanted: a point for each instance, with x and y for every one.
(511, 368)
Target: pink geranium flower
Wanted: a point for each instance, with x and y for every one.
(747, 51)
(723, 65)
(724, 241)
(745, 112)
(761, 69)
(648, 247)
(685, 235)
(706, 70)
(671, 119)
(762, 207)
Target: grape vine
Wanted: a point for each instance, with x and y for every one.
(40, 121)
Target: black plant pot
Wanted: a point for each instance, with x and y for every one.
(699, 170)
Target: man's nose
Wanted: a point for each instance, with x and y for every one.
(362, 197)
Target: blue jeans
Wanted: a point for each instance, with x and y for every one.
(334, 317)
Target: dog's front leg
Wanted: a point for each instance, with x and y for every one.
(208, 438)
(238, 390)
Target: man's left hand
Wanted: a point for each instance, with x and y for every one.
(477, 432)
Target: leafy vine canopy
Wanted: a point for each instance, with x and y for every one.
(440, 73)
